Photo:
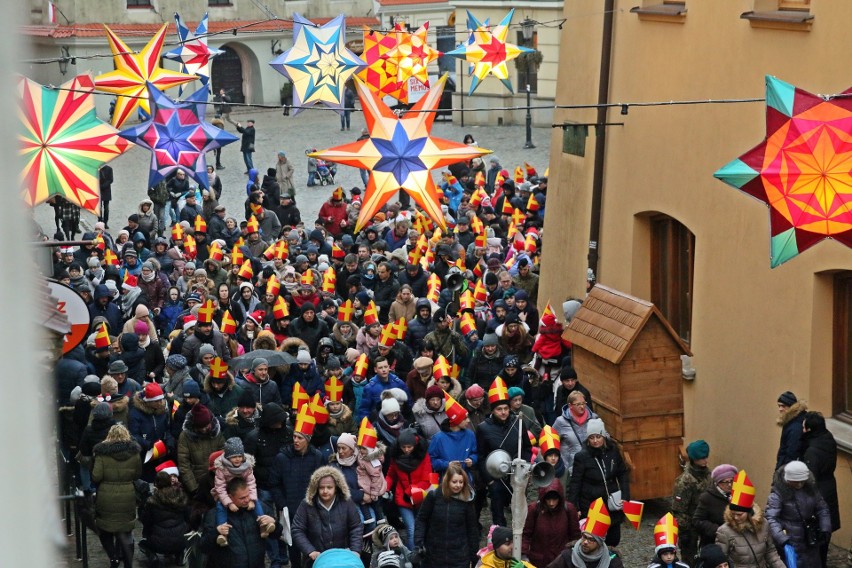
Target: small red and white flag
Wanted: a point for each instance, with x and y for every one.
(51, 12)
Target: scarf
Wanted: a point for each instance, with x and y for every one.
(580, 420)
(144, 343)
(346, 462)
(149, 277)
(601, 556)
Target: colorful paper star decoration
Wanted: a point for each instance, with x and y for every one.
(319, 63)
(63, 142)
(400, 153)
(412, 54)
(132, 73)
(380, 73)
(802, 170)
(193, 53)
(488, 50)
(178, 136)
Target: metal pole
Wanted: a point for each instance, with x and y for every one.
(529, 143)
(461, 90)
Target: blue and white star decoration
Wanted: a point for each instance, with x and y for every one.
(193, 52)
(319, 63)
(178, 136)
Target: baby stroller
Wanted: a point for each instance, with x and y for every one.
(326, 172)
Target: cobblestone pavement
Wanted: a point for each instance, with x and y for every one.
(293, 135)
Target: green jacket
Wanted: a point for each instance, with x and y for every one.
(117, 465)
(194, 451)
(688, 486)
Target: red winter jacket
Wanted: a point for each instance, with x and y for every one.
(401, 483)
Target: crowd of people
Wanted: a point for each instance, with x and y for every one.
(279, 392)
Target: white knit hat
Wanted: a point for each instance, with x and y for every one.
(389, 406)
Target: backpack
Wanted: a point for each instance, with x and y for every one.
(159, 194)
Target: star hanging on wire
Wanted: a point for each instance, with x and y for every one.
(400, 153)
(193, 52)
(488, 50)
(132, 73)
(412, 54)
(319, 63)
(178, 136)
(380, 73)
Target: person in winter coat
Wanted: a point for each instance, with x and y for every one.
(499, 553)
(291, 472)
(472, 401)
(589, 550)
(149, 423)
(105, 307)
(93, 434)
(176, 374)
(165, 520)
(571, 426)
(326, 518)
(243, 418)
(820, 455)
(388, 549)
(486, 363)
(382, 381)
(408, 477)
(245, 543)
(791, 413)
(116, 466)
(154, 362)
(117, 402)
(429, 412)
(551, 524)
(371, 482)
(599, 470)
(265, 443)
(258, 383)
(421, 324)
(516, 404)
(340, 418)
(455, 443)
(794, 503)
(389, 421)
(709, 513)
(447, 526)
(309, 327)
(133, 357)
(404, 305)
(223, 393)
(305, 373)
(745, 540)
(346, 460)
(201, 437)
(688, 489)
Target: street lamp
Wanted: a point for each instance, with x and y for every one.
(63, 59)
(527, 28)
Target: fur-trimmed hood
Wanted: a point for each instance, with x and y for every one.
(265, 340)
(455, 387)
(156, 408)
(118, 404)
(169, 498)
(376, 453)
(292, 345)
(792, 412)
(327, 471)
(345, 414)
(754, 523)
(208, 388)
(232, 418)
(119, 450)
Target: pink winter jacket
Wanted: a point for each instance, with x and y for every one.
(371, 480)
(226, 472)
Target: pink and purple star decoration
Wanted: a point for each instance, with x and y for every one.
(178, 136)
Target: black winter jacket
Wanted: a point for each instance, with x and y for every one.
(821, 458)
(587, 481)
(495, 435)
(165, 520)
(439, 529)
(264, 444)
(709, 515)
(245, 547)
(290, 475)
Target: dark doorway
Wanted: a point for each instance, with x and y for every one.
(227, 73)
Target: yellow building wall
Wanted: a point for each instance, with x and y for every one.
(756, 331)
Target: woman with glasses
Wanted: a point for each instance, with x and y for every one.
(571, 427)
(710, 512)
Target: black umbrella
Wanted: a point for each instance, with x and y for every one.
(274, 358)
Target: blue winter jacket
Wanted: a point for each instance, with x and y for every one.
(447, 446)
(372, 395)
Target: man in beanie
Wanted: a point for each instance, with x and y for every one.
(797, 514)
(201, 436)
(486, 363)
(447, 342)
(568, 383)
(688, 486)
(791, 413)
(709, 514)
(223, 393)
(308, 327)
(259, 384)
(242, 419)
(501, 555)
(204, 333)
(500, 432)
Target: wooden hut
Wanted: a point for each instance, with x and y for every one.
(628, 356)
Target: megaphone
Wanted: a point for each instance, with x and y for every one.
(542, 474)
(455, 279)
(499, 464)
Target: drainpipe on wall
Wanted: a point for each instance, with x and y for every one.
(600, 139)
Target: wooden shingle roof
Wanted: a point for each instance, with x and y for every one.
(609, 322)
